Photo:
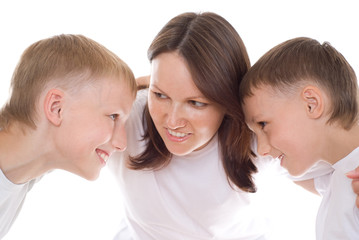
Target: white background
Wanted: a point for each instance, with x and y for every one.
(64, 206)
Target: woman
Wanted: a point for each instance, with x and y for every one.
(187, 172)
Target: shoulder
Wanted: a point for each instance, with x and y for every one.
(136, 117)
(141, 99)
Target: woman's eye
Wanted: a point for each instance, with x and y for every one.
(262, 124)
(114, 116)
(197, 104)
(160, 95)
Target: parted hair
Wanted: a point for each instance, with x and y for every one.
(67, 61)
(294, 62)
(217, 60)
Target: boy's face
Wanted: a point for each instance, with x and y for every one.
(93, 126)
(282, 128)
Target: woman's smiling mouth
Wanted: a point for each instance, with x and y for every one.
(177, 136)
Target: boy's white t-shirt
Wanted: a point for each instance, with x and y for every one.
(188, 199)
(12, 197)
(338, 216)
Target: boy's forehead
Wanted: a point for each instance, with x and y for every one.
(263, 99)
(260, 92)
(252, 105)
(276, 92)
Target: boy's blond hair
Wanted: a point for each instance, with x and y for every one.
(66, 61)
(294, 62)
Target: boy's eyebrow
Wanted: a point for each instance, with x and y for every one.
(254, 118)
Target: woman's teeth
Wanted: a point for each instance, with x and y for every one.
(176, 134)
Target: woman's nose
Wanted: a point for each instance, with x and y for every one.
(176, 118)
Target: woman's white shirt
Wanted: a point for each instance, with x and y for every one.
(188, 199)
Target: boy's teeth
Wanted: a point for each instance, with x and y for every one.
(176, 134)
(104, 156)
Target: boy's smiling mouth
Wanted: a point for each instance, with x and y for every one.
(280, 158)
(103, 155)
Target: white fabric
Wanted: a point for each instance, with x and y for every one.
(188, 199)
(338, 217)
(12, 197)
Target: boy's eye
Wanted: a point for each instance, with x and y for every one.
(114, 116)
(262, 124)
(197, 104)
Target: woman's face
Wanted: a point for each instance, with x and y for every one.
(185, 119)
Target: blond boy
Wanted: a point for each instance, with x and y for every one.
(70, 98)
(301, 101)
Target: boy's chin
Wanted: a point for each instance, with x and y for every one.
(297, 172)
(90, 176)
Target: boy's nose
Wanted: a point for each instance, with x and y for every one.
(119, 138)
(263, 147)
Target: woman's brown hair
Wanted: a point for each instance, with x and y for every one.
(217, 59)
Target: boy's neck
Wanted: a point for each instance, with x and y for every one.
(340, 143)
(21, 155)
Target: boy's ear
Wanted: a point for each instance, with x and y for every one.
(314, 102)
(53, 106)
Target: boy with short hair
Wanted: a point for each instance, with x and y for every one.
(69, 102)
(301, 101)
